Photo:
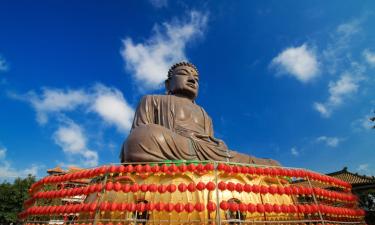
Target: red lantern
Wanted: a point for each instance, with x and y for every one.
(266, 171)
(239, 187)
(231, 186)
(276, 208)
(272, 190)
(109, 186)
(103, 170)
(131, 207)
(150, 206)
(247, 188)
(192, 168)
(130, 168)
(285, 208)
(126, 188)
(144, 187)
(263, 189)
(179, 207)
(155, 168)
(255, 188)
(201, 186)
(164, 168)
(236, 169)
(251, 170)
(104, 206)
(114, 206)
(210, 186)
(292, 209)
(224, 205)
(251, 208)
(121, 169)
(280, 190)
(189, 207)
(200, 168)
(182, 187)
(152, 188)
(242, 207)
(138, 168)
(117, 186)
(222, 186)
(173, 168)
(159, 206)
(92, 207)
(301, 209)
(191, 186)
(268, 207)
(112, 169)
(221, 167)
(140, 207)
(244, 169)
(183, 168)
(228, 169)
(233, 206)
(134, 187)
(211, 206)
(171, 188)
(146, 168)
(162, 188)
(209, 167)
(199, 207)
(169, 207)
(260, 208)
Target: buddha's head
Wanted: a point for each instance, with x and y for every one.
(183, 80)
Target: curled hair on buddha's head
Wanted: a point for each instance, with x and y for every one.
(182, 63)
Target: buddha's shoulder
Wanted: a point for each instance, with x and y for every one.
(154, 99)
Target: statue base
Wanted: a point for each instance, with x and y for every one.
(192, 193)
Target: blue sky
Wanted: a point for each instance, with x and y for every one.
(290, 80)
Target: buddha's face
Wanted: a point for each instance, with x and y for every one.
(184, 82)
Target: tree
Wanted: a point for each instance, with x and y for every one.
(12, 196)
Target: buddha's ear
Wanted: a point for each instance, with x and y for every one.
(166, 83)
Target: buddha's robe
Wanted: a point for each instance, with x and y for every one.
(168, 127)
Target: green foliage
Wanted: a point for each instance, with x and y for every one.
(12, 196)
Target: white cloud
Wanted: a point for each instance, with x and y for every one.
(329, 141)
(366, 169)
(72, 140)
(369, 56)
(3, 64)
(337, 54)
(364, 123)
(363, 167)
(8, 172)
(110, 104)
(299, 62)
(159, 3)
(344, 87)
(149, 61)
(56, 100)
(54, 104)
(294, 151)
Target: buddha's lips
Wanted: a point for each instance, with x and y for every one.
(191, 85)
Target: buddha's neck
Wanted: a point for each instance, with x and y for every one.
(186, 98)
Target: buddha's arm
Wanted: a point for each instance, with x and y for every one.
(210, 132)
(145, 112)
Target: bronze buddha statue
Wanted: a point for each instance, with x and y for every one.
(174, 127)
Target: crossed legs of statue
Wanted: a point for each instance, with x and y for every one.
(154, 143)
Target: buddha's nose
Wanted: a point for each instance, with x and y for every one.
(191, 79)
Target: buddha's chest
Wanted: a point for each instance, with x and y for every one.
(189, 113)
